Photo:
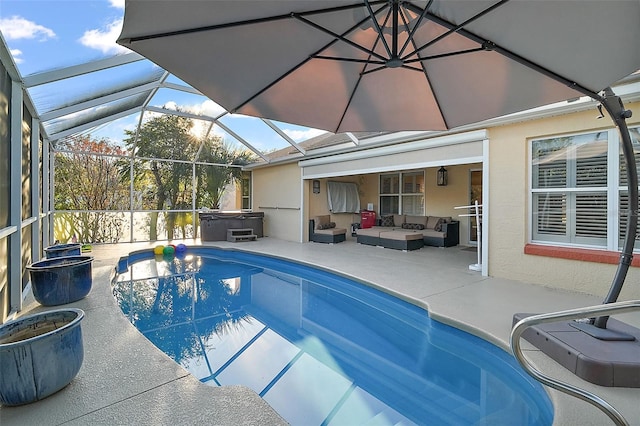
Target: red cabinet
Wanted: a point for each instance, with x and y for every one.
(367, 219)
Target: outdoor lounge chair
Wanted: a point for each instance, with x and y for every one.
(322, 230)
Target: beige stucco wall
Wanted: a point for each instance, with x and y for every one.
(276, 191)
(441, 200)
(508, 198)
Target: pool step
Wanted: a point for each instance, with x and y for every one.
(242, 234)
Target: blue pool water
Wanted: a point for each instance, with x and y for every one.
(319, 348)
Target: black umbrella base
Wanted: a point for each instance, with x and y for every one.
(608, 357)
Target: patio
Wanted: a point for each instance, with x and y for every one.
(126, 380)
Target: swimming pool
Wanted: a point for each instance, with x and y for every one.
(319, 348)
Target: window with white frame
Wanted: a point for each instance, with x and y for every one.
(402, 192)
(245, 186)
(623, 196)
(578, 189)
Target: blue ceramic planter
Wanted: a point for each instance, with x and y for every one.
(39, 355)
(61, 280)
(60, 250)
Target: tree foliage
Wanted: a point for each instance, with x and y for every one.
(166, 150)
(88, 181)
(212, 180)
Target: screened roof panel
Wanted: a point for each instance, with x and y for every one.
(255, 131)
(92, 117)
(64, 89)
(196, 104)
(113, 129)
(232, 142)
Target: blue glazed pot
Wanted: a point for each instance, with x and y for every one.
(39, 355)
(61, 280)
(60, 250)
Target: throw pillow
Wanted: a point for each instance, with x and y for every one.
(329, 225)
(386, 221)
(438, 227)
(321, 220)
(412, 226)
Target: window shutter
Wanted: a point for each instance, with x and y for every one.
(591, 215)
(591, 164)
(624, 208)
(551, 213)
(550, 167)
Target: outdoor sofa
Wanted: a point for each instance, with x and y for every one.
(407, 232)
(323, 230)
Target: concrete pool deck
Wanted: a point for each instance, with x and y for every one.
(126, 380)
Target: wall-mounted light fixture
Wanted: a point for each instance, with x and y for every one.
(442, 178)
(316, 186)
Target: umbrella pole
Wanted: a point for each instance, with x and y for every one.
(613, 105)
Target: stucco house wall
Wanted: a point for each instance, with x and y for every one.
(509, 168)
(277, 191)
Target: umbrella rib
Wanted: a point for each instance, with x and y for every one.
(336, 58)
(433, 92)
(247, 22)
(338, 36)
(383, 67)
(373, 70)
(454, 28)
(445, 55)
(285, 74)
(377, 26)
(489, 45)
(346, 108)
(415, 27)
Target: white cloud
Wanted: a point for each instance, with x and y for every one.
(16, 27)
(303, 135)
(105, 39)
(208, 108)
(171, 105)
(15, 53)
(119, 4)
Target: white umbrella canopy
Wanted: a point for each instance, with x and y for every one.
(438, 64)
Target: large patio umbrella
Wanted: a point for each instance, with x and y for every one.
(394, 65)
(419, 65)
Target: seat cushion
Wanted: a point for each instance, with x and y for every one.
(370, 232)
(401, 235)
(433, 233)
(331, 231)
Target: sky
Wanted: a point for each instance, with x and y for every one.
(49, 34)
